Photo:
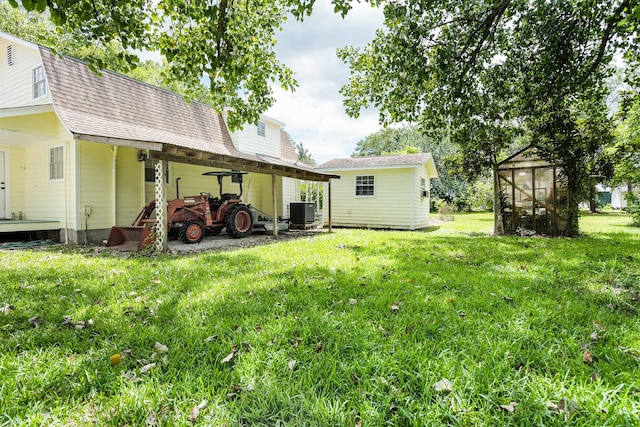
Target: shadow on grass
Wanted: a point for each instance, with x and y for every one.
(371, 319)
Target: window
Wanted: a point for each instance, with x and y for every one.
(10, 55)
(39, 83)
(262, 129)
(365, 185)
(423, 188)
(56, 163)
(150, 170)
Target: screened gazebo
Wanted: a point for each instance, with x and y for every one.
(533, 194)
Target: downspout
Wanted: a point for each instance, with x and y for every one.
(66, 190)
(114, 184)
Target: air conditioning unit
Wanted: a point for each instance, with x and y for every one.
(302, 213)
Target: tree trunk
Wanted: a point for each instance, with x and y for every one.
(498, 225)
(592, 198)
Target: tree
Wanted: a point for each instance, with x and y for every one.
(38, 28)
(230, 42)
(491, 70)
(304, 155)
(450, 186)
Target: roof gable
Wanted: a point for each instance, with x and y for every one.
(114, 106)
(379, 162)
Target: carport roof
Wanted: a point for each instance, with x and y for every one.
(114, 109)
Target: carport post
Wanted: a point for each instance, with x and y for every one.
(161, 209)
(275, 205)
(329, 206)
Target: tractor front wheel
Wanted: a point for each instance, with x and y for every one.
(239, 221)
(192, 232)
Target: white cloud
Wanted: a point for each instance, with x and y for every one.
(314, 114)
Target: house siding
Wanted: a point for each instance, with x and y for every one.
(421, 204)
(16, 80)
(129, 184)
(247, 140)
(290, 194)
(95, 185)
(46, 197)
(390, 207)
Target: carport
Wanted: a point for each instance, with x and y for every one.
(244, 162)
(119, 112)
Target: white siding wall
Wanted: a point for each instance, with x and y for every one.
(129, 184)
(389, 208)
(16, 80)
(95, 185)
(421, 204)
(247, 140)
(289, 194)
(44, 198)
(397, 202)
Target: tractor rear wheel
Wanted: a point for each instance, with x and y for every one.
(239, 221)
(192, 232)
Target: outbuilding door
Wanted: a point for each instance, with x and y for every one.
(3, 187)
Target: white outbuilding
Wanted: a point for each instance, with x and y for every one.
(391, 192)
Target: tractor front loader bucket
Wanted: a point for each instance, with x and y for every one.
(132, 238)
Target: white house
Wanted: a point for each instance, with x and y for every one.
(381, 192)
(78, 150)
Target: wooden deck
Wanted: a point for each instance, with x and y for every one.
(17, 226)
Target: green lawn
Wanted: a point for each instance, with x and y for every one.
(351, 328)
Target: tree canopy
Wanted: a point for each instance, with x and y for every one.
(229, 42)
(491, 70)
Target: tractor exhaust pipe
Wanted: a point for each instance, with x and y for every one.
(178, 187)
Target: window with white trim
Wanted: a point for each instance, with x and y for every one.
(365, 185)
(56, 163)
(39, 82)
(262, 129)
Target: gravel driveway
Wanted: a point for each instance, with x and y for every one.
(223, 241)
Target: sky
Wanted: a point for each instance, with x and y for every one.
(314, 114)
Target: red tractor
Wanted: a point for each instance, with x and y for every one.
(189, 218)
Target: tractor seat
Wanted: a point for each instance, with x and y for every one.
(228, 196)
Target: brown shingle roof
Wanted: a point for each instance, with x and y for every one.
(376, 161)
(113, 107)
(287, 151)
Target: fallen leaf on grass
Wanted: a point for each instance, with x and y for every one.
(196, 410)
(228, 358)
(156, 281)
(7, 308)
(161, 348)
(116, 359)
(292, 364)
(511, 407)
(443, 386)
(35, 321)
(587, 357)
(353, 301)
(152, 419)
(564, 406)
(358, 422)
(319, 347)
(395, 308)
(593, 336)
(507, 299)
(146, 368)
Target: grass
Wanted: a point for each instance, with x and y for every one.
(350, 328)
